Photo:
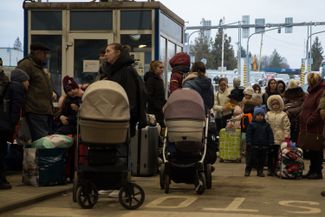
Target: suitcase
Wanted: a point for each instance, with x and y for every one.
(290, 163)
(144, 152)
(230, 145)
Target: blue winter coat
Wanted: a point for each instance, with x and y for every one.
(259, 134)
(16, 97)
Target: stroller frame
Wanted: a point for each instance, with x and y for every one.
(86, 182)
(202, 170)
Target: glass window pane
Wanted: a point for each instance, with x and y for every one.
(135, 19)
(91, 20)
(171, 28)
(46, 20)
(86, 49)
(54, 63)
(141, 44)
(178, 49)
(162, 57)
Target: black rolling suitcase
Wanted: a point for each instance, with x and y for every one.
(144, 146)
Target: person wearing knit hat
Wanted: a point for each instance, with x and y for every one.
(70, 107)
(10, 109)
(69, 84)
(259, 137)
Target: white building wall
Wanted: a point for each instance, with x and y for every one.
(10, 56)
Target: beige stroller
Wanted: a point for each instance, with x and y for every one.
(103, 159)
(185, 142)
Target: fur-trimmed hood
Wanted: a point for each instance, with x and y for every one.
(275, 97)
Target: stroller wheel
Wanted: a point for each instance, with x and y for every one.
(167, 182)
(75, 188)
(162, 176)
(131, 196)
(87, 195)
(201, 185)
(208, 176)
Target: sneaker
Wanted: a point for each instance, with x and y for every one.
(270, 173)
(247, 173)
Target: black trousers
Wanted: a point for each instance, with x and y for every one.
(316, 161)
(222, 122)
(4, 136)
(256, 157)
(273, 157)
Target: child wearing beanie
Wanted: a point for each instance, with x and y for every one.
(70, 107)
(259, 137)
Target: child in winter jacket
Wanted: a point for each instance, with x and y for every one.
(237, 112)
(280, 125)
(259, 137)
(70, 107)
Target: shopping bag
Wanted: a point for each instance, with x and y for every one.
(44, 167)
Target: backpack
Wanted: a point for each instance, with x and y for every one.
(246, 119)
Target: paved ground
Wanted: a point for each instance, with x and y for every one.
(232, 195)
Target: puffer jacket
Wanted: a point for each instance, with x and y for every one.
(293, 100)
(39, 94)
(278, 120)
(203, 86)
(259, 134)
(156, 92)
(16, 96)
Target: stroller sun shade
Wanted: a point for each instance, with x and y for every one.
(184, 104)
(105, 101)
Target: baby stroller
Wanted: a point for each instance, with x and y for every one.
(185, 142)
(103, 158)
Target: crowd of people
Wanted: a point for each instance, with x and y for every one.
(281, 113)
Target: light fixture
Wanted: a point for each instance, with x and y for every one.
(135, 37)
(142, 46)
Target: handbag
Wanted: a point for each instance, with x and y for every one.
(311, 141)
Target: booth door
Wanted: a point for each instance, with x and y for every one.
(83, 55)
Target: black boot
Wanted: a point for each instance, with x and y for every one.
(315, 176)
(4, 184)
(260, 174)
(247, 172)
(323, 193)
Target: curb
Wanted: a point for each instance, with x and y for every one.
(31, 201)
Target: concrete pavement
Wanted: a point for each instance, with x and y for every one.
(23, 195)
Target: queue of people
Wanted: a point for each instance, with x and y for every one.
(288, 112)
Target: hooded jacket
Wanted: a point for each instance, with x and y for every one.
(39, 94)
(293, 101)
(203, 86)
(16, 96)
(156, 92)
(259, 134)
(278, 120)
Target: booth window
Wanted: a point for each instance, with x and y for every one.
(54, 63)
(46, 20)
(136, 20)
(170, 28)
(91, 20)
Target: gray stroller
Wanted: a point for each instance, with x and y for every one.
(185, 142)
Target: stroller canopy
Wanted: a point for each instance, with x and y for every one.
(184, 104)
(105, 101)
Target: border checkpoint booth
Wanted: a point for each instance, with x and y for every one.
(77, 31)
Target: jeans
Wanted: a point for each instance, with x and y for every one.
(39, 125)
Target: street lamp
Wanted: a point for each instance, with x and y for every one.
(247, 49)
(307, 50)
(188, 40)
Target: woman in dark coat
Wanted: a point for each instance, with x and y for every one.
(311, 123)
(293, 99)
(270, 89)
(119, 68)
(15, 94)
(155, 90)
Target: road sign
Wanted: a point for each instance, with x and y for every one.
(245, 21)
(288, 22)
(259, 25)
